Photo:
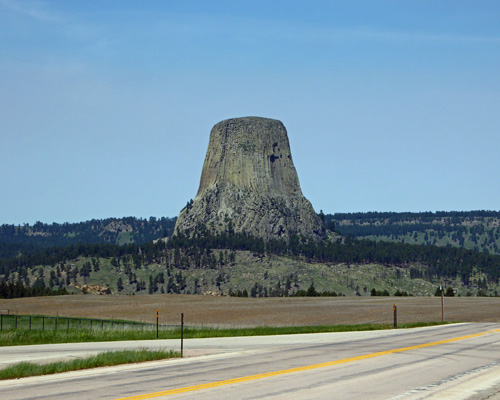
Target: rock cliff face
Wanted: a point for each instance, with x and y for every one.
(249, 184)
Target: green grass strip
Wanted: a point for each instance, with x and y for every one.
(25, 337)
(24, 369)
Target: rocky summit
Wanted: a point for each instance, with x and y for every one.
(249, 185)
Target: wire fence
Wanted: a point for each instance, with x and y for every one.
(41, 322)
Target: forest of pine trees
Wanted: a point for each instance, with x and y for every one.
(181, 253)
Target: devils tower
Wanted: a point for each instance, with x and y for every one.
(249, 184)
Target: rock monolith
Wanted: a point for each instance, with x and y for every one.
(249, 184)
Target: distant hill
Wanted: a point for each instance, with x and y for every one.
(379, 253)
(473, 230)
(29, 239)
(234, 263)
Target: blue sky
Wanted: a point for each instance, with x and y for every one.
(106, 106)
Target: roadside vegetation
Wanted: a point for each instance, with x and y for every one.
(26, 337)
(105, 359)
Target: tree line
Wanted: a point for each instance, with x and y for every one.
(478, 230)
(11, 290)
(28, 239)
(409, 216)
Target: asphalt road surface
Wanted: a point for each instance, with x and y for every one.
(448, 362)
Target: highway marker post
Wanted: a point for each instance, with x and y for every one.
(157, 311)
(182, 334)
(395, 317)
(442, 300)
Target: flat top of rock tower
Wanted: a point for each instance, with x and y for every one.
(250, 118)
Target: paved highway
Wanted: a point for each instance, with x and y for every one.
(449, 362)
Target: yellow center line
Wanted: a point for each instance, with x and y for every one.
(299, 369)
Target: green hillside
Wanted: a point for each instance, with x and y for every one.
(238, 263)
(29, 239)
(474, 230)
(377, 253)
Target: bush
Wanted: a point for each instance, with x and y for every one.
(375, 292)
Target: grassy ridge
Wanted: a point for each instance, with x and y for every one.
(26, 337)
(109, 358)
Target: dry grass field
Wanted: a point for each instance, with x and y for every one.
(251, 312)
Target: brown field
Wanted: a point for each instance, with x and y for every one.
(249, 312)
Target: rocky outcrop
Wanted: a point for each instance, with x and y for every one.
(93, 289)
(249, 184)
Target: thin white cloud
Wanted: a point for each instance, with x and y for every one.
(400, 36)
(33, 9)
(246, 29)
(310, 33)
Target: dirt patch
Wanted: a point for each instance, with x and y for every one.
(245, 312)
